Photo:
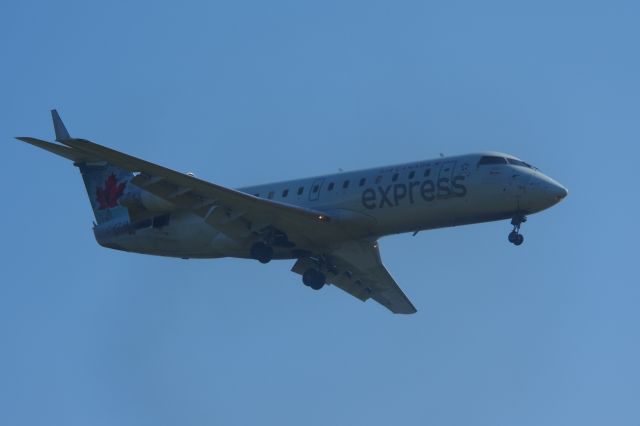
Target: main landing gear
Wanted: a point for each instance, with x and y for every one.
(262, 252)
(314, 278)
(515, 237)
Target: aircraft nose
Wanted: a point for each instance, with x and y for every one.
(544, 192)
(559, 192)
(554, 192)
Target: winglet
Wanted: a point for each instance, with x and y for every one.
(58, 126)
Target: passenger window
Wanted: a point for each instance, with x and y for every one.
(489, 159)
(362, 181)
(256, 195)
(270, 195)
(300, 190)
(412, 175)
(378, 179)
(427, 172)
(345, 185)
(330, 187)
(285, 193)
(315, 188)
(395, 177)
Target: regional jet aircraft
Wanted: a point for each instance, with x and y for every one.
(330, 225)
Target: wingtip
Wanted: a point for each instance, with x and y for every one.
(27, 139)
(61, 150)
(58, 127)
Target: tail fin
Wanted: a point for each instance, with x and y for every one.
(105, 182)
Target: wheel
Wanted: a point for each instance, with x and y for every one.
(314, 279)
(267, 255)
(309, 276)
(319, 281)
(262, 252)
(513, 237)
(519, 240)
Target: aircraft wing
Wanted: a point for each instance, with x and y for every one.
(61, 150)
(356, 267)
(233, 212)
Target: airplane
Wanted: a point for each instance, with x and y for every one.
(330, 225)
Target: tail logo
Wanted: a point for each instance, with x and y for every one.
(109, 194)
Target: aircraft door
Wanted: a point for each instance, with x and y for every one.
(314, 191)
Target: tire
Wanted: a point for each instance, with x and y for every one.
(519, 240)
(267, 255)
(309, 277)
(513, 237)
(262, 252)
(318, 281)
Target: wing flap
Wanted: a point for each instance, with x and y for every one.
(356, 268)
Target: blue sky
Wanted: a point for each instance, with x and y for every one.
(250, 92)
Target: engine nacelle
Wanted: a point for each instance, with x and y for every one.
(140, 199)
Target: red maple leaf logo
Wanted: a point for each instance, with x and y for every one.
(108, 196)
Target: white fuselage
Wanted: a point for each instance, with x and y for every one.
(372, 203)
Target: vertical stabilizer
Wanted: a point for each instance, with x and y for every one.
(105, 182)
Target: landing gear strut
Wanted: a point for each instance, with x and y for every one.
(515, 237)
(314, 278)
(262, 252)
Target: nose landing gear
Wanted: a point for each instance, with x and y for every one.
(515, 237)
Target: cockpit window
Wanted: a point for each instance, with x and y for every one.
(490, 159)
(519, 163)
